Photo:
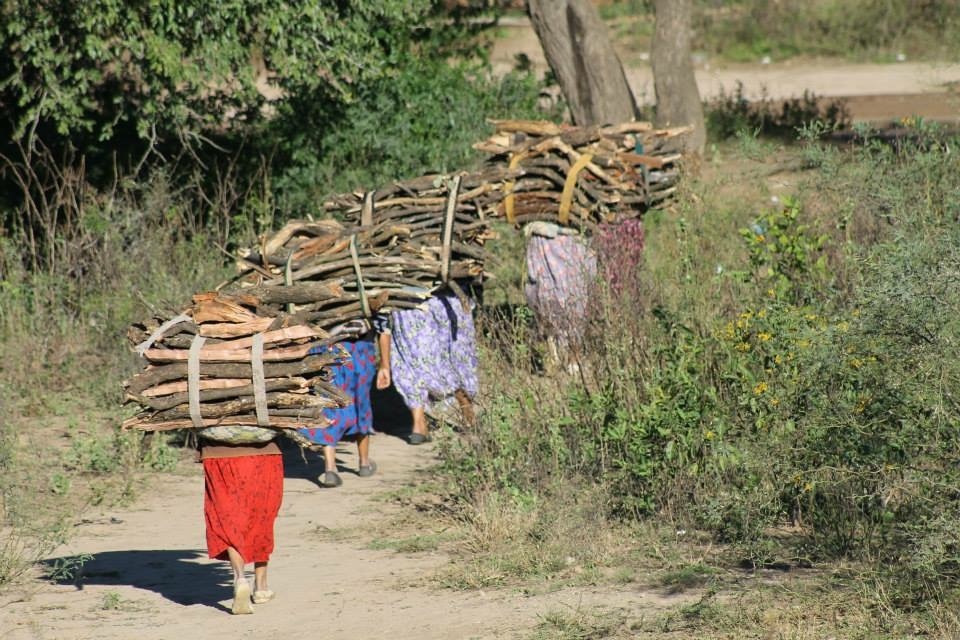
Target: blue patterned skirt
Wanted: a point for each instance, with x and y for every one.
(355, 377)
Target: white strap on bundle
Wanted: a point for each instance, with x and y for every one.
(366, 214)
(259, 385)
(162, 329)
(361, 290)
(193, 380)
(445, 249)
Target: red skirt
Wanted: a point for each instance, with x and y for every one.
(241, 501)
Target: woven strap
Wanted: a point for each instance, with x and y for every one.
(366, 213)
(451, 211)
(515, 160)
(566, 198)
(361, 291)
(259, 384)
(193, 380)
(288, 278)
(162, 329)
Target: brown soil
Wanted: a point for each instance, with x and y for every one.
(873, 92)
(150, 577)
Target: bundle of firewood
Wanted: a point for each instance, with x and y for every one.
(583, 176)
(394, 248)
(232, 361)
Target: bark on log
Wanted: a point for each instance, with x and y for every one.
(153, 376)
(678, 99)
(578, 49)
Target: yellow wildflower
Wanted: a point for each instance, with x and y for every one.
(762, 313)
(774, 401)
(777, 359)
(743, 346)
(709, 435)
(728, 331)
(760, 388)
(764, 336)
(856, 363)
(861, 405)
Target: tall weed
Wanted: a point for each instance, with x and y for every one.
(797, 404)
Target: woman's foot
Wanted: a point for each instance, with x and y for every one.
(261, 596)
(419, 438)
(367, 470)
(241, 598)
(330, 480)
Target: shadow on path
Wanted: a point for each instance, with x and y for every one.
(391, 419)
(176, 574)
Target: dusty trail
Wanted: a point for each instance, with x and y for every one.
(873, 92)
(150, 578)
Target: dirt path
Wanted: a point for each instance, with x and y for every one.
(874, 92)
(150, 579)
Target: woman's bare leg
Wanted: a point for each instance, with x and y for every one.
(420, 421)
(363, 450)
(329, 458)
(260, 576)
(466, 407)
(236, 563)
(241, 588)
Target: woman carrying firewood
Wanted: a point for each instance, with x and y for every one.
(355, 378)
(434, 364)
(243, 489)
(561, 270)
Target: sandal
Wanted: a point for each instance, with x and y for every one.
(264, 595)
(419, 438)
(367, 470)
(241, 598)
(330, 480)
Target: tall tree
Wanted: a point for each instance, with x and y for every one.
(578, 49)
(678, 99)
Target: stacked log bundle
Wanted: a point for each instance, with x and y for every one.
(583, 176)
(231, 361)
(379, 251)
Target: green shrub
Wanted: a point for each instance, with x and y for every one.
(798, 406)
(422, 118)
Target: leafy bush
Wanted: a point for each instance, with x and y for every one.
(799, 408)
(422, 118)
(729, 115)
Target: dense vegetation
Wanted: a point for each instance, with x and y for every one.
(749, 30)
(782, 385)
(784, 380)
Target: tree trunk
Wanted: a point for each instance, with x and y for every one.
(678, 99)
(578, 49)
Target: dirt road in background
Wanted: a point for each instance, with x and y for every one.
(873, 92)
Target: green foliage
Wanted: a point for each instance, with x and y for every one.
(733, 114)
(374, 139)
(799, 406)
(785, 256)
(93, 66)
(747, 30)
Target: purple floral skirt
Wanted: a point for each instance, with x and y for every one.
(434, 352)
(560, 274)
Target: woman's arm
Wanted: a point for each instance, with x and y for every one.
(383, 372)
